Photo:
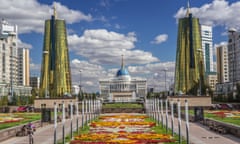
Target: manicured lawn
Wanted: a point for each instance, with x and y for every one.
(221, 115)
(26, 117)
(123, 105)
(222, 118)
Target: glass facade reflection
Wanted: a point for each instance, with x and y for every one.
(55, 71)
(189, 69)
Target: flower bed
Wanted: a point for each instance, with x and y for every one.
(7, 118)
(122, 129)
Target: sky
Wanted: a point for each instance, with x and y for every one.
(100, 31)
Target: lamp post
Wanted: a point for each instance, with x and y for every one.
(232, 31)
(80, 91)
(165, 83)
(46, 73)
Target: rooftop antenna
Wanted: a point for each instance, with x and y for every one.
(54, 10)
(188, 8)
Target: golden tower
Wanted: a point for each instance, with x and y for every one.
(55, 71)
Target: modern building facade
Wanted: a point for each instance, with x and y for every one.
(123, 87)
(207, 47)
(55, 71)
(211, 80)
(234, 55)
(222, 63)
(13, 73)
(23, 64)
(35, 82)
(189, 68)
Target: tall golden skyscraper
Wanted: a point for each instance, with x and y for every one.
(55, 71)
(189, 69)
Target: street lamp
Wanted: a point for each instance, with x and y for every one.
(80, 82)
(232, 31)
(46, 73)
(165, 70)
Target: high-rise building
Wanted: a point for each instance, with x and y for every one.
(55, 71)
(222, 63)
(189, 69)
(14, 67)
(9, 53)
(23, 63)
(207, 48)
(234, 55)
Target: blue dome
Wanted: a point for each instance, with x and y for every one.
(122, 72)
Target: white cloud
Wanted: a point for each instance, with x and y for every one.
(35, 68)
(155, 74)
(30, 15)
(160, 39)
(92, 73)
(219, 12)
(89, 75)
(21, 44)
(106, 47)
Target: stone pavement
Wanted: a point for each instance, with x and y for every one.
(45, 135)
(199, 134)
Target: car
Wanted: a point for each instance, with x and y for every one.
(22, 109)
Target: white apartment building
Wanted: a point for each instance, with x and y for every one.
(10, 63)
(222, 63)
(207, 47)
(23, 69)
(8, 53)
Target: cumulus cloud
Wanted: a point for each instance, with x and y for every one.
(91, 74)
(86, 73)
(155, 74)
(30, 15)
(160, 39)
(216, 13)
(22, 44)
(101, 46)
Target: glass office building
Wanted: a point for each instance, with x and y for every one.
(55, 71)
(189, 69)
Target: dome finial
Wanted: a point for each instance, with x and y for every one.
(122, 66)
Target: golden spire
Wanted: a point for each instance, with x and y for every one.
(188, 9)
(54, 10)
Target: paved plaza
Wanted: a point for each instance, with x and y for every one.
(199, 134)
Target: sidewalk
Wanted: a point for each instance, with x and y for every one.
(45, 135)
(199, 134)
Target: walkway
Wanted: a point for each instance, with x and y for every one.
(198, 134)
(45, 135)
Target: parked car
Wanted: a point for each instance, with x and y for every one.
(25, 109)
(22, 109)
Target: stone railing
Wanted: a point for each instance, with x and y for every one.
(230, 128)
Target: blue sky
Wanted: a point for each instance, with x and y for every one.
(100, 31)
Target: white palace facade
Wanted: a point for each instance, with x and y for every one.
(123, 88)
